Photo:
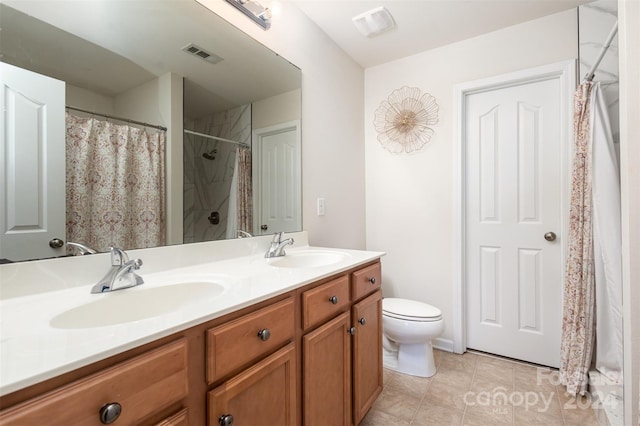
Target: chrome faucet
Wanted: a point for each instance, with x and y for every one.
(81, 249)
(276, 249)
(121, 275)
(243, 234)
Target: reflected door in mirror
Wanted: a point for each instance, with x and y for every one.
(277, 171)
(32, 154)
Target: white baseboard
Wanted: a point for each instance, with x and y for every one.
(443, 344)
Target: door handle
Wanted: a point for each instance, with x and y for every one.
(56, 243)
(550, 236)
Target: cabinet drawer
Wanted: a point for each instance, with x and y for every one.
(240, 342)
(142, 386)
(366, 281)
(325, 301)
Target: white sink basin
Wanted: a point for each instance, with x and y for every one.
(308, 259)
(135, 304)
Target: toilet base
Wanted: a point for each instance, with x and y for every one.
(415, 360)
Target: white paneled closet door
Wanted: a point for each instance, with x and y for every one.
(32, 164)
(514, 273)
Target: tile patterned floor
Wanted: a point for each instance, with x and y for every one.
(476, 389)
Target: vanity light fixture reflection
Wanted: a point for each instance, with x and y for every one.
(255, 11)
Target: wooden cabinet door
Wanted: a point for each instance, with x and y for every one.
(367, 354)
(181, 418)
(327, 373)
(264, 394)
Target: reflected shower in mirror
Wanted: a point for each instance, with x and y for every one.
(198, 73)
(211, 175)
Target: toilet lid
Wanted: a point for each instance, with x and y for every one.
(409, 309)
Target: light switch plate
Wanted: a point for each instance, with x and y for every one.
(320, 206)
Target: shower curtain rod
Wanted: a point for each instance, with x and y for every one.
(191, 132)
(126, 120)
(589, 76)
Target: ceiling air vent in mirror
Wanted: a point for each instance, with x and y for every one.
(201, 53)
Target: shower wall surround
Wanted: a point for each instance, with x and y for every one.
(207, 183)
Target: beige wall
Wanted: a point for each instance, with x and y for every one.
(332, 115)
(170, 99)
(276, 110)
(410, 198)
(88, 100)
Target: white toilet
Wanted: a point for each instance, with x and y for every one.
(407, 329)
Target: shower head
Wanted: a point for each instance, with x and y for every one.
(210, 155)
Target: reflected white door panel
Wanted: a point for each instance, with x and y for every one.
(276, 171)
(32, 164)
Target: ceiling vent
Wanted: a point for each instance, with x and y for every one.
(201, 53)
(374, 22)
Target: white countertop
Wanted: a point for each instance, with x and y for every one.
(32, 350)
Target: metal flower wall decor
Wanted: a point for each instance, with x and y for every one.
(402, 121)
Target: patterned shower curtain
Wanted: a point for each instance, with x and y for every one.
(115, 184)
(245, 197)
(578, 326)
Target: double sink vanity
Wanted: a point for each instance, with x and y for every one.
(216, 335)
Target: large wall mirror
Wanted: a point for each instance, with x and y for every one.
(219, 110)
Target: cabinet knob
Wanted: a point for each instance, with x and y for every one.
(351, 330)
(334, 300)
(110, 412)
(372, 280)
(264, 335)
(362, 321)
(225, 420)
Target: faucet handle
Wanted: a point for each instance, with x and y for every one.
(126, 273)
(136, 264)
(277, 237)
(118, 256)
(243, 234)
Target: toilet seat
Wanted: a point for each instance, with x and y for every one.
(410, 310)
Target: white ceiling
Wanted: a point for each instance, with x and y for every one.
(142, 39)
(421, 24)
(112, 46)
